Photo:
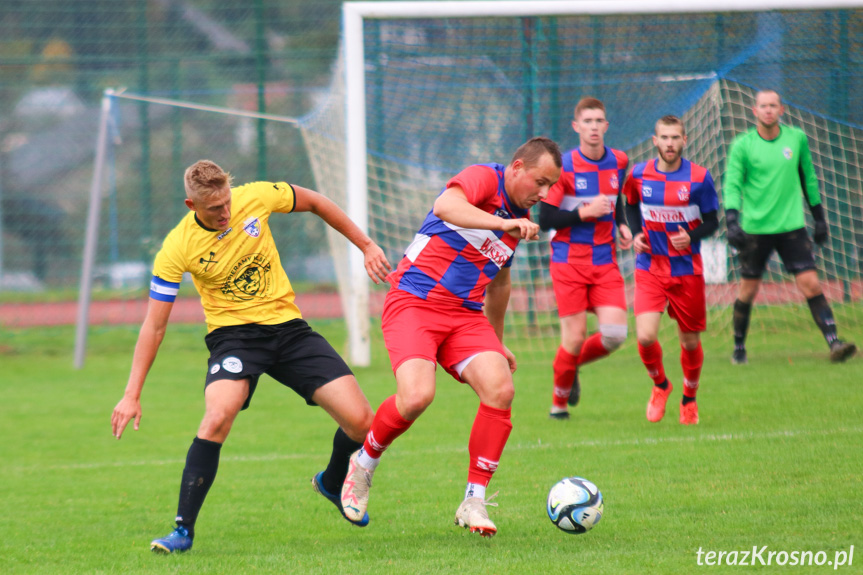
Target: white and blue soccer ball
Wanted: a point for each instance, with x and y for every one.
(574, 505)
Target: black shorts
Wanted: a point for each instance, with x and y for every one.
(794, 248)
(292, 353)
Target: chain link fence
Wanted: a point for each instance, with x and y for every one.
(58, 56)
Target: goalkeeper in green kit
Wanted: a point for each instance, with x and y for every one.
(769, 173)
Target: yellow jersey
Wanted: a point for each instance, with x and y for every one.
(237, 272)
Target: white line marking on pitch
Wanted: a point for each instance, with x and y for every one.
(719, 437)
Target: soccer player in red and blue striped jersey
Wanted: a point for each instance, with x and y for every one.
(585, 211)
(446, 305)
(671, 205)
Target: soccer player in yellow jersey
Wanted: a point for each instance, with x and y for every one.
(254, 327)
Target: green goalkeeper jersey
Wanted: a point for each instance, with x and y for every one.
(766, 180)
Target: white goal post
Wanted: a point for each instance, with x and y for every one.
(356, 14)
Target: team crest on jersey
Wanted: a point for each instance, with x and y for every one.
(252, 226)
(248, 279)
(501, 213)
(580, 184)
(646, 191)
(787, 153)
(683, 194)
(613, 181)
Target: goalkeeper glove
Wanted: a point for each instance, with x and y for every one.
(736, 235)
(821, 228)
(821, 233)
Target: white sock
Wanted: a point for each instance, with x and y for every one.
(367, 460)
(475, 490)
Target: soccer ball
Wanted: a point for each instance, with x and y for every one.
(574, 505)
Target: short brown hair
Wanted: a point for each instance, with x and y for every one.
(204, 178)
(532, 150)
(588, 103)
(671, 120)
(768, 91)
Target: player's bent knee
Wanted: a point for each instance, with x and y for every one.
(356, 432)
(216, 426)
(646, 341)
(359, 424)
(613, 336)
(412, 405)
(572, 345)
(500, 398)
(500, 393)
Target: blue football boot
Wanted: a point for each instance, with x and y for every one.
(335, 500)
(175, 542)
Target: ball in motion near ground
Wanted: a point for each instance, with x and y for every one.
(574, 505)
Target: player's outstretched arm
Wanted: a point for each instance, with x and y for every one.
(376, 263)
(149, 338)
(453, 207)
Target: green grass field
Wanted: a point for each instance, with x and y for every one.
(775, 461)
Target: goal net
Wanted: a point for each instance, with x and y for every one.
(144, 144)
(423, 90)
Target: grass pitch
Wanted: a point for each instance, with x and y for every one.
(776, 461)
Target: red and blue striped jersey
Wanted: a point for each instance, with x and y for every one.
(452, 265)
(590, 242)
(669, 201)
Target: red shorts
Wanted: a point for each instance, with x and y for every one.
(684, 296)
(582, 288)
(415, 328)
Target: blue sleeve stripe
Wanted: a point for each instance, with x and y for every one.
(159, 281)
(162, 297)
(162, 290)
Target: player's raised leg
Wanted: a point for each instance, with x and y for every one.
(343, 399)
(608, 300)
(489, 376)
(415, 380)
(611, 335)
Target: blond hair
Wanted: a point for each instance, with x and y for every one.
(205, 178)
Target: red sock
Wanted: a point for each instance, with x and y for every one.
(651, 357)
(487, 439)
(564, 374)
(386, 427)
(592, 349)
(691, 361)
